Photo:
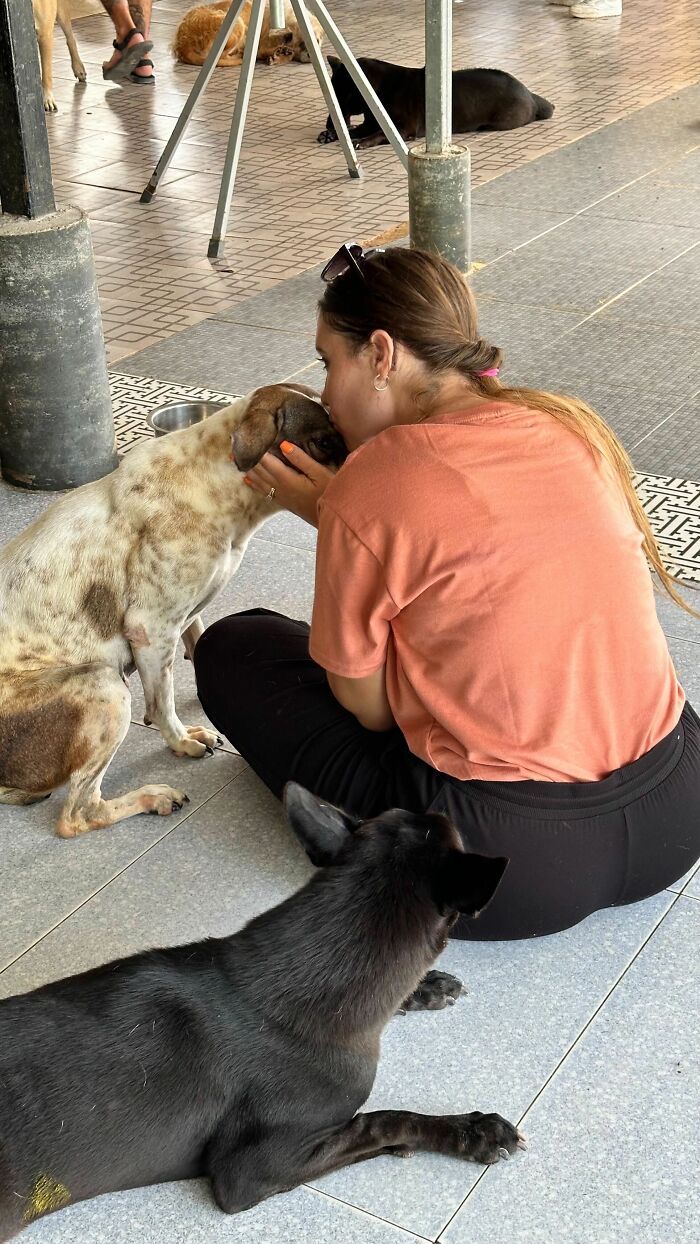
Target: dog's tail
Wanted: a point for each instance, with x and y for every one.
(543, 108)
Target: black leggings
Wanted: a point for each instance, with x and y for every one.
(574, 847)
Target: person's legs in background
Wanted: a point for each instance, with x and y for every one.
(132, 24)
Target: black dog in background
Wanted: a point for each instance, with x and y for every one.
(245, 1058)
(482, 99)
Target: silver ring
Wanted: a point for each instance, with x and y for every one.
(271, 493)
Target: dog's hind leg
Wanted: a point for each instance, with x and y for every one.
(104, 724)
(10, 794)
(64, 21)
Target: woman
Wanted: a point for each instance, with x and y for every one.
(484, 641)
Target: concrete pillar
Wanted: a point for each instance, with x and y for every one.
(56, 424)
(439, 182)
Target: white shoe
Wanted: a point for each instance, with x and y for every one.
(596, 8)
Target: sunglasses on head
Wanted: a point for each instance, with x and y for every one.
(349, 258)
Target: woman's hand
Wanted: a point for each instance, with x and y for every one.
(298, 487)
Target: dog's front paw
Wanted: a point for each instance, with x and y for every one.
(327, 136)
(435, 991)
(162, 800)
(198, 742)
(484, 1138)
(80, 72)
(50, 104)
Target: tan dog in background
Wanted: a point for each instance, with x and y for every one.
(199, 27)
(108, 579)
(46, 14)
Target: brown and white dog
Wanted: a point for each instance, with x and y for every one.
(46, 14)
(198, 28)
(108, 579)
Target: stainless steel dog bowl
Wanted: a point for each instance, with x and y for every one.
(177, 415)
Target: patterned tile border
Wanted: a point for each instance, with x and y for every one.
(673, 505)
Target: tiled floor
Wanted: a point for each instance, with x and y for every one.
(294, 202)
(590, 270)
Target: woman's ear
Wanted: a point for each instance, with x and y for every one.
(383, 351)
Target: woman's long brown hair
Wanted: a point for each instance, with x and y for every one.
(425, 303)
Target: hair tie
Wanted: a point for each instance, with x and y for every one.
(491, 371)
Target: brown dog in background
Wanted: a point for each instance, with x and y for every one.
(46, 14)
(199, 27)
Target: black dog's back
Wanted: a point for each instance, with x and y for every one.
(481, 99)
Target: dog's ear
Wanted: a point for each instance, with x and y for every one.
(322, 829)
(255, 434)
(466, 882)
(333, 61)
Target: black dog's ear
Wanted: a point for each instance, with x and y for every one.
(333, 61)
(466, 882)
(322, 829)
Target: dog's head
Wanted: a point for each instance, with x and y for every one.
(286, 412)
(417, 858)
(350, 101)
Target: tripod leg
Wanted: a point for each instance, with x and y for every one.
(217, 240)
(324, 81)
(200, 85)
(368, 93)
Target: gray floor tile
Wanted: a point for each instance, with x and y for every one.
(288, 529)
(623, 356)
(574, 284)
(692, 888)
(631, 244)
(674, 447)
(44, 878)
(686, 170)
(606, 1134)
(526, 1002)
(232, 357)
(289, 306)
(676, 622)
(19, 508)
(522, 328)
(497, 229)
(185, 1214)
(653, 199)
(232, 859)
(669, 297)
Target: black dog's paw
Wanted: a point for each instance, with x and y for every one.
(484, 1138)
(327, 136)
(436, 991)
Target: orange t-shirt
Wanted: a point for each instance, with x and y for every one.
(491, 561)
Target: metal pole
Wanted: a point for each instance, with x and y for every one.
(438, 75)
(324, 81)
(439, 185)
(277, 18)
(217, 240)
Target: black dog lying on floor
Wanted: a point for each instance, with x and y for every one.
(246, 1057)
(482, 99)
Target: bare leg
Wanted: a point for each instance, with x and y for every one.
(120, 11)
(141, 15)
(242, 1179)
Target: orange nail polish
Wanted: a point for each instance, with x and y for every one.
(286, 447)
(246, 480)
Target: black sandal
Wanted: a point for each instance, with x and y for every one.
(130, 56)
(143, 79)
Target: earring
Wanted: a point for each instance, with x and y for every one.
(381, 387)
